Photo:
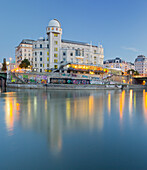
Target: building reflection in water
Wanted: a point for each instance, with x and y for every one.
(121, 104)
(55, 113)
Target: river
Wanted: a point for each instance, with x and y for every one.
(73, 129)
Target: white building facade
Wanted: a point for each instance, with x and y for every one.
(48, 53)
(118, 63)
(141, 64)
(24, 51)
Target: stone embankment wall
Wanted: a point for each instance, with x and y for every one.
(72, 86)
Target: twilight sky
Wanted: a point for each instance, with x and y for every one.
(119, 25)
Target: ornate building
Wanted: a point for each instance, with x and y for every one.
(118, 63)
(49, 53)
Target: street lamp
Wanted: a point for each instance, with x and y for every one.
(10, 59)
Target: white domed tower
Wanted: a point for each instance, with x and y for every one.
(54, 33)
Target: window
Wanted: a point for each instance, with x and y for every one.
(64, 53)
(47, 45)
(47, 58)
(35, 65)
(40, 45)
(40, 70)
(35, 53)
(78, 52)
(55, 66)
(95, 62)
(29, 54)
(40, 58)
(82, 52)
(47, 65)
(40, 52)
(40, 65)
(56, 42)
(72, 60)
(25, 50)
(35, 46)
(95, 57)
(47, 53)
(55, 60)
(55, 49)
(71, 54)
(55, 55)
(64, 59)
(24, 54)
(35, 59)
(43, 65)
(94, 51)
(55, 35)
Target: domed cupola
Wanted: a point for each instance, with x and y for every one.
(54, 26)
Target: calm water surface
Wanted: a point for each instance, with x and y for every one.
(70, 130)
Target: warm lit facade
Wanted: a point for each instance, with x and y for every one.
(24, 51)
(118, 63)
(141, 64)
(51, 52)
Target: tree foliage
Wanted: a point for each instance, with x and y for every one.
(132, 72)
(4, 67)
(24, 63)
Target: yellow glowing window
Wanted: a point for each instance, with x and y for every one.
(55, 35)
(55, 66)
(94, 57)
(55, 55)
(56, 42)
(55, 49)
(43, 65)
(52, 28)
(47, 58)
(47, 53)
(55, 60)
(47, 65)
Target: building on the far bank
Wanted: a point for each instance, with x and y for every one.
(118, 63)
(141, 64)
(46, 54)
(24, 51)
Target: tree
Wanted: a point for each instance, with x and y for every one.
(24, 63)
(132, 72)
(4, 68)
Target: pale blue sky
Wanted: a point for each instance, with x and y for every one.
(120, 25)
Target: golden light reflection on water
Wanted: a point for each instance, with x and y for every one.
(130, 102)
(135, 101)
(121, 104)
(91, 105)
(12, 112)
(109, 103)
(9, 115)
(68, 110)
(145, 104)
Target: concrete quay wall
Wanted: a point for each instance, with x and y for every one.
(73, 86)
